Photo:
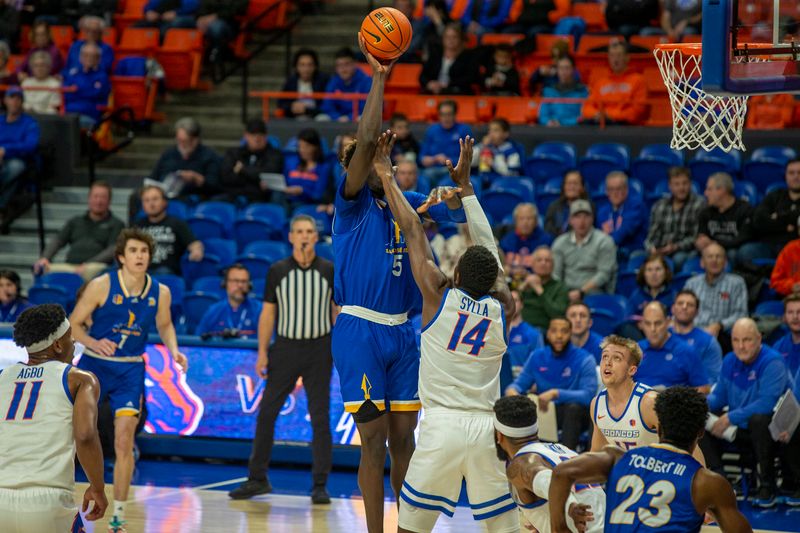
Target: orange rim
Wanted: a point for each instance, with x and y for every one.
(697, 48)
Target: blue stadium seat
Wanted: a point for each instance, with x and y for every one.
(602, 158)
(324, 221)
(605, 321)
(746, 191)
(521, 185)
(615, 303)
(177, 288)
(706, 163)
(626, 282)
(257, 291)
(498, 204)
(259, 222)
(774, 307)
(210, 265)
(271, 250)
(50, 294)
(70, 281)
(213, 219)
(767, 165)
(775, 187)
(195, 305)
(654, 162)
(224, 249)
(324, 250)
(212, 284)
(257, 265)
(548, 193)
(550, 159)
(680, 279)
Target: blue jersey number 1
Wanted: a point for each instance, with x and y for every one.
(16, 399)
(476, 337)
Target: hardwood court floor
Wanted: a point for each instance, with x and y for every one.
(154, 509)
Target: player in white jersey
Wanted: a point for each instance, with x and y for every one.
(462, 347)
(529, 466)
(48, 410)
(623, 414)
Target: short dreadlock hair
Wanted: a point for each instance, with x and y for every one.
(478, 270)
(347, 153)
(37, 323)
(682, 414)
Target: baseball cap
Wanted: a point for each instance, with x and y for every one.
(15, 90)
(256, 125)
(580, 206)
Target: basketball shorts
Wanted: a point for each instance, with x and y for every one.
(40, 510)
(376, 362)
(538, 514)
(122, 383)
(453, 446)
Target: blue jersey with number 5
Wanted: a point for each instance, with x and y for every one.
(371, 267)
(650, 489)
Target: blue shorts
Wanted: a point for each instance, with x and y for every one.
(122, 383)
(376, 362)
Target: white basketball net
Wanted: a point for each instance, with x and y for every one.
(699, 119)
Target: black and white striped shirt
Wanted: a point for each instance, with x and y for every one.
(303, 297)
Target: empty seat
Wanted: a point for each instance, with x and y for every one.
(224, 249)
(257, 265)
(767, 165)
(210, 284)
(195, 305)
(177, 288)
(654, 162)
(131, 88)
(499, 204)
(404, 78)
(181, 58)
(774, 307)
(259, 222)
(517, 110)
(50, 294)
(213, 219)
(69, 281)
(522, 185)
(550, 159)
(746, 191)
(323, 219)
(271, 250)
(138, 42)
(706, 163)
(602, 158)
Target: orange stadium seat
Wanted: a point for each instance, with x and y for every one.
(138, 42)
(181, 57)
(14, 61)
(484, 108)
(404, 78)
(420, 108)
(63, 37)
(501, 38)
(134, 92)
(109, 36)
(517, 110)
(648, 42)
(592, 13)
(131, 11)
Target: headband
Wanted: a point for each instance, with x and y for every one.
(50, 339)
(509, 431)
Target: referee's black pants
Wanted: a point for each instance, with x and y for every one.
(289, 360)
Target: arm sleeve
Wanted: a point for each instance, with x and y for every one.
(762, 217)
(28, 141)
(744, 227)
(57, 242)
(631, 223)
(500, 16)
(782, 279)
(229, 178)
(636, 111)
(590, 106)
(527, 377)
(712, 360)
(771, 384)
(739, 301)
(349, 212)
(555, 302)
(719, 394)
(107, 255)
(558, 262)
(585, 387)
(479, 229)
(697, 371)
(439, 212)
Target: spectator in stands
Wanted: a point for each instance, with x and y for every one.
(585, 258)
(216, 19)
(172, 235)
(347, 79)
(407, 8)
(653, 284)
(306, 79)
(684, 311)
(497, 154)
(427, 31)
(407, 175)
(244, 164)
(568, 86)
(19, 139)
(235, 317)
(519, 244)
(74, 10)
(534, 18)
(726, 219)
(674, 220)
(723, 296)
(750, 402)
(523, 338)
(776, 218)
(547, 75)
(189, 168)
(7, 76)
(485, 16)
(580, 316)
(790, 456)
(543, 296)
(92, 87)
(9, 21)
(441, 142)
(556, 220)
(564, 375)
(629, 17)
(168, 14)
(618, 97)
(622, 216)
(92, 29)
(666, 360)
(308, 180)
(41, 41)
(406, 146)
(452, 71)
(449, 250)
(770, 111)
(678, 18)
(789, 345)
(42, 89)
(12, 303)
(91, 238)
(501, 78)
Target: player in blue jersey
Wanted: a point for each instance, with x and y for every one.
(373, 342)
(659, 487)
(122, 305)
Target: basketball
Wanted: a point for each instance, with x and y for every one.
(387, 33)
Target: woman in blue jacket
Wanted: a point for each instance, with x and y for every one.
(563, 114)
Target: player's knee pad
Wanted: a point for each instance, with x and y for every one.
(367, 412)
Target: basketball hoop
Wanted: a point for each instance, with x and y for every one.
(699, 119)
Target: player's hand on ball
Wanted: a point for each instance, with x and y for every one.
(98, 496)
(437, 196)
(182, 361)
(374, 64)
(460, 173)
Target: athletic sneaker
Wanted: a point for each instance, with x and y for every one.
(117, 526)
(793, 500)
(765, 498)
(250, 488)
(319, 494)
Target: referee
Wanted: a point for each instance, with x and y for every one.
(298, 299)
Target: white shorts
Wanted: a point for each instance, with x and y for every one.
(538, 514)
(453, 446)
(43, 510)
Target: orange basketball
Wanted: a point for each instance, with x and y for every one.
(387, 33)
